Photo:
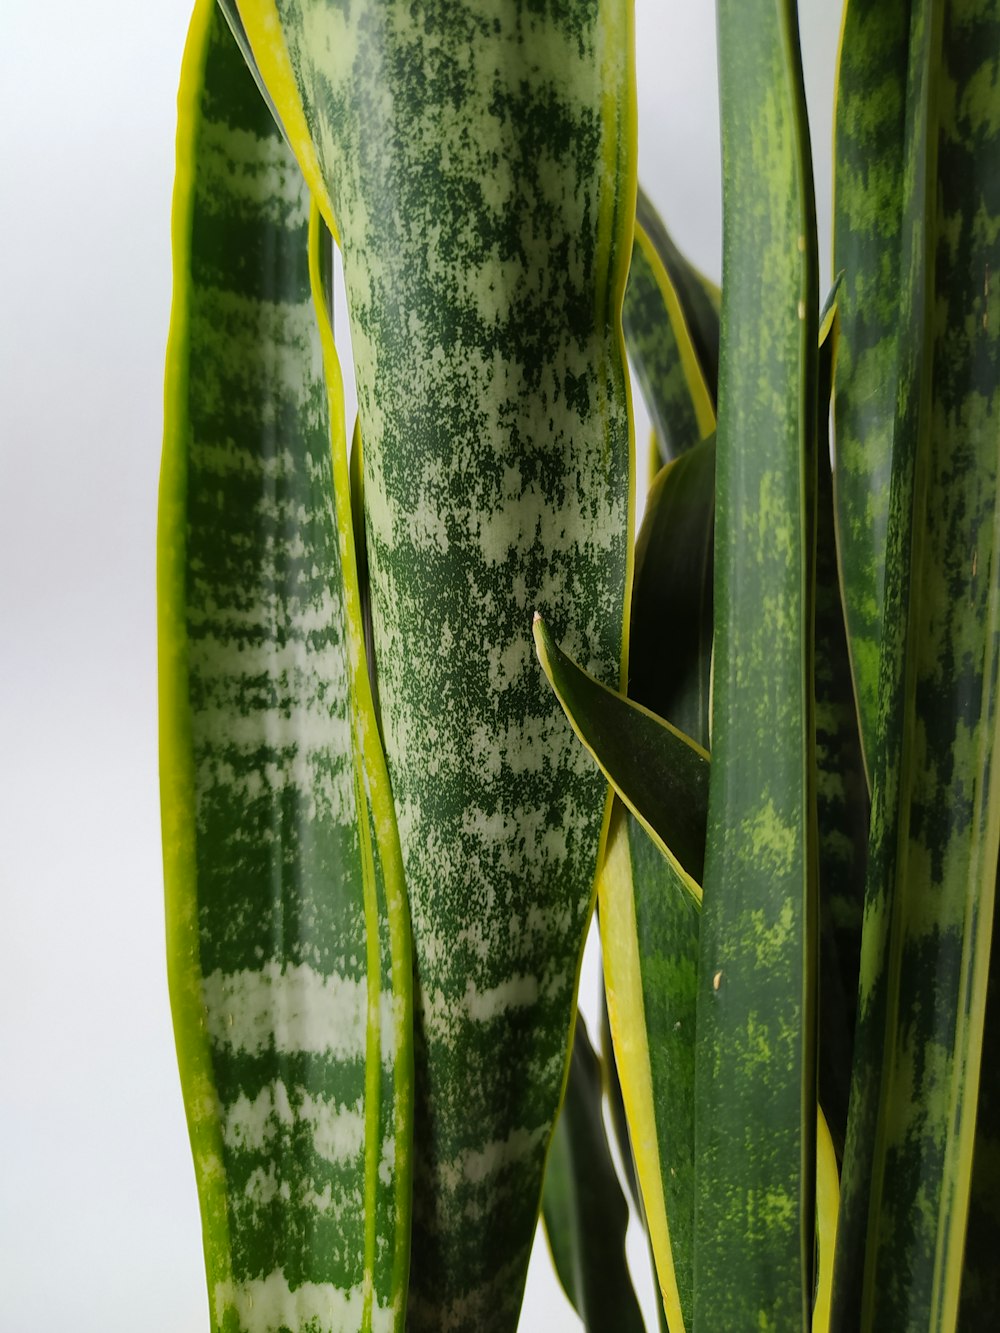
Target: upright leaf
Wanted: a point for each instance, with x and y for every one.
(586, 1214)
(680, 403)
(869, 219)
(670, 635)
(841, 790)
(479, 167)
(755, 1110)
(861, 1190)
(699, 299)
(936, 801)
(288, 958)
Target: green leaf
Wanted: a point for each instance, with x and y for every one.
(841, 790)
(649, 893)
(649, 925)
(586, 1215)
(868, 240)
(288, 953)
(485, 211)
(659, 773)
(699, 298)
(755, 1112)
(680, 404)
(936, 800)
(670, 638)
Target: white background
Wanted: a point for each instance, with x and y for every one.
(99, 1226)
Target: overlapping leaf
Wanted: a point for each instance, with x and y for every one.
(936, 804)
(479, 170)
(288, 956)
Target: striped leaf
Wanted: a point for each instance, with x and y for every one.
(980, 1296)
(650, 925)
(479, 168)
(755, 1100)
(870, 126)
(649, 890)
(936, 803)
(859, 1191)
(585, 1212)
(288, 955)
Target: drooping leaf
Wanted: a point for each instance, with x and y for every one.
(755, 1113)
(936, 801)
(479, 169)
(870, 127)
(288, 954)
(585, 1211)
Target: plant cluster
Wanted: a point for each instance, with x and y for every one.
(421, 693)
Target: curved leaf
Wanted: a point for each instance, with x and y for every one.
(660, 774)
(288, 956)
(699, 299)
(680, 404)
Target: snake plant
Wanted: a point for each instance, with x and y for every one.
(426, 699)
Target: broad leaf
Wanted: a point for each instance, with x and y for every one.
(485, 211)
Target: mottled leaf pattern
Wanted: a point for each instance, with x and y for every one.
(755, 1099)
(936, 803)
(479, 166)
(868, 222)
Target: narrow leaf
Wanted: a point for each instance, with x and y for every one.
(699, 299)
(869, 158)
(585, 1211)
(936, 801)
(755, 1111)
(841, 792)
(670, 638)
(660, 774)
(288, 958)
(680, 403)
